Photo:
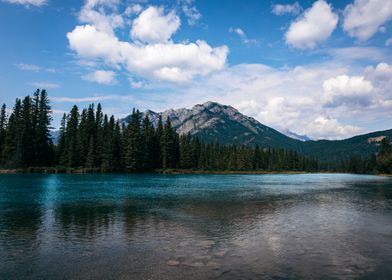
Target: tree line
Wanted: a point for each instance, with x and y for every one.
(381, 162)
(90, 139)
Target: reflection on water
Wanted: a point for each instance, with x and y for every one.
(195, 227)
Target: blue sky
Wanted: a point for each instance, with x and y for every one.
(321, 68)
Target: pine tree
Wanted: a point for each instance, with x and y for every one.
(157, 146)
(3, 126)
(10, 155)
(61, 148)
(384, 158)
(168, 146)
(99, 141)
(25, 149)
(72, 145)
(44, 145)
(148, 142)
(134, 152)
(117, 147)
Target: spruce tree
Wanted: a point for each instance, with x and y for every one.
(10, 156)
(134, 152)
(44, 153)
(61, 148)
(72, 145)
(3, 126)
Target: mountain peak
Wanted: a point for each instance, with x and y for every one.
(215, 122)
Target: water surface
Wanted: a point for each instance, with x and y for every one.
(311, 226)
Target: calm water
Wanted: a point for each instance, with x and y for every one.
(195, 227)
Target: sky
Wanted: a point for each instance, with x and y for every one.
(320, 68)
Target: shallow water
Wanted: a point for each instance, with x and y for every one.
(329, 226)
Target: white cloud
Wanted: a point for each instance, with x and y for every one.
(135, 83)
(357, 53)
(238, 31)
(281, 9)
(44, 85)
(133, 9)
(28, 67)
(37, 3)
(346, 90)
(152, 54)
(313, 27)
(96, 98)
(242, 35)
(101, 77)
(323, 126)
(98, 17)
(190, 11)
(364, 18)
(154, 26)
(388, 42)
(165, 61)
(34, 68)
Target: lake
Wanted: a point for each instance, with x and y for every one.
(307, 226)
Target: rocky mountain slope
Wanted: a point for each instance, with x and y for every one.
(212, 121)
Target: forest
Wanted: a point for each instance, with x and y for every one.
(92, 141)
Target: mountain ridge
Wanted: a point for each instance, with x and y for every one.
(214, 122)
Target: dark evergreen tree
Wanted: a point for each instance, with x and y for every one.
(384, 158)
(72, 145)
(61, 146)
(134, 149)
(44, 153)
(3, 126)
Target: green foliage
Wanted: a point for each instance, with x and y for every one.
(384, 159)
(24, 137)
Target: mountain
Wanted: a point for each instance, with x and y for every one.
(337, 150)
(212, 121)
(294, 135)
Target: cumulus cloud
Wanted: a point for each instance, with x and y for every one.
(347, 90)
(154, 26)
(330, 128)
(101, 77)
(281, 9)
(364, 18)
(314, 26)
(152, 54)
(37, 3)
(388, 42)
(102, 20)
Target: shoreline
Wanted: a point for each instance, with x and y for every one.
(63, 170)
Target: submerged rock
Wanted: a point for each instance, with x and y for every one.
(193, 264)
(173, 263)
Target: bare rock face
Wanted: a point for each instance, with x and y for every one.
(203, 116)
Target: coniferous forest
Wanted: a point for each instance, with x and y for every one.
(90, 140)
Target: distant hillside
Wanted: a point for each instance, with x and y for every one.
(212, 121)
(361, 145)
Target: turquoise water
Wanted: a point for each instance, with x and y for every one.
(329, 226)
